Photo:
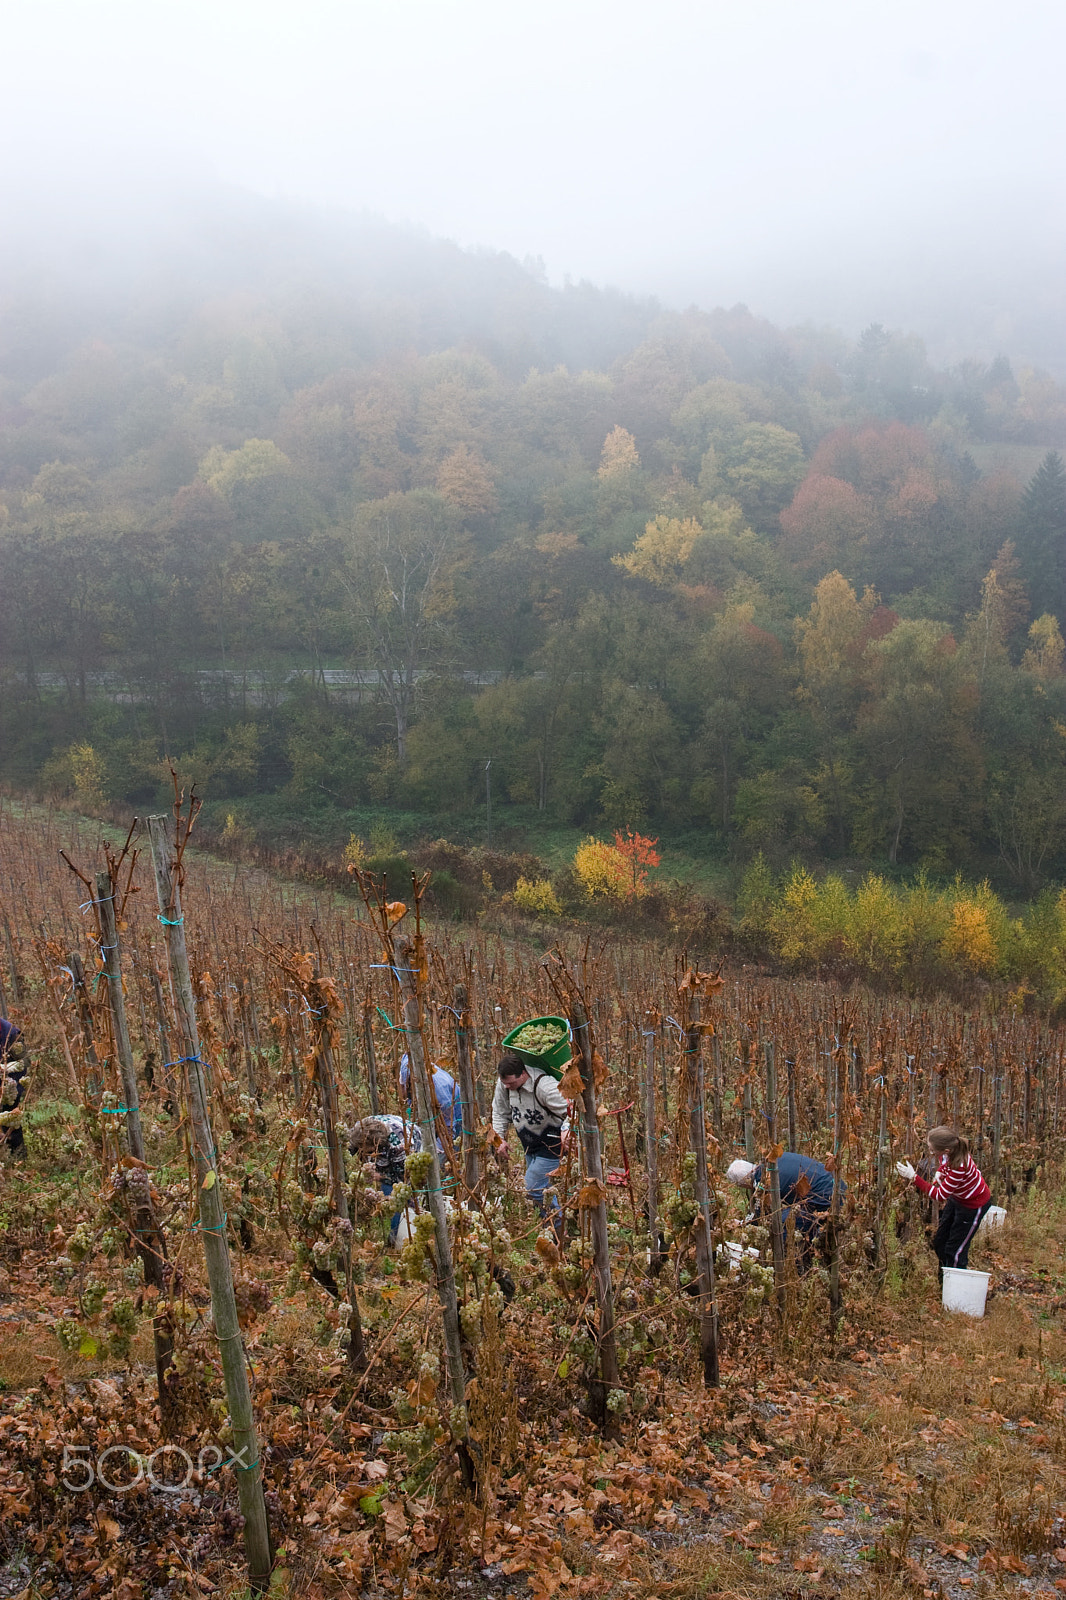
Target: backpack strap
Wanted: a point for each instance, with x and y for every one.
(554, 1115)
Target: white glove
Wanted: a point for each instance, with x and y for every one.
(905, 1170)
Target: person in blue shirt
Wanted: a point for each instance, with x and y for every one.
(806, 1196)
(447, 1095)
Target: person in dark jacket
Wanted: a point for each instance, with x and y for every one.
(12, 1085)
(806, 1196)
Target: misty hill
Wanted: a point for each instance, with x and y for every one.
(348, 288)
(337, 511)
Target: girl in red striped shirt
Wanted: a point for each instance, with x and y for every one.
(963, 1194)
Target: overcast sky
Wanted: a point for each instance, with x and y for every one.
(831, 158)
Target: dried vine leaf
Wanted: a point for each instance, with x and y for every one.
(570, 1082)
(708, 982)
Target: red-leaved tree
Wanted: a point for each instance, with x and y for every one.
(640, 853)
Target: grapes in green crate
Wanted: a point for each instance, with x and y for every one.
(538, 1038)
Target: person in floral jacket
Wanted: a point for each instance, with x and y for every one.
(12, 1084)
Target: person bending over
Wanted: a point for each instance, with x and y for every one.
(12, 1084)
(806, 1196)
(384, 1142)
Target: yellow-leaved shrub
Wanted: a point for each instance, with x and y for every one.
(875, 934)
(603, 871)
(969, 940)
(911, 933)
(356, 853)
(793, 922)
(537, 897)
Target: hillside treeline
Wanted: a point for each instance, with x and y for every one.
(685, 571)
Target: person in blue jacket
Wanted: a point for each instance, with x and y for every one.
(446, 1093)
(806, 1195)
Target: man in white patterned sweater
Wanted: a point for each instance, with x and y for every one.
(528, 1099)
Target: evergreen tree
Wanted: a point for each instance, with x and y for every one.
(1042, 535)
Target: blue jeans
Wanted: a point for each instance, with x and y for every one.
(540, 1170)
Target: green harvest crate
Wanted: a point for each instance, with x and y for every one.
(553, 1060)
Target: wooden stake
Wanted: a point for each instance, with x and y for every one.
(371, 1057)
(463, 1028)
(836, 1303)
(112, 975)
(326, 1079)
(651, 1144)
(166, 859)
(592, 1150)
(777, 1232)
(692, 1077)
(148, 1235)
(793, 1130)
(409, 974)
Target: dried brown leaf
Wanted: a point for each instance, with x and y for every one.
(570, 1084)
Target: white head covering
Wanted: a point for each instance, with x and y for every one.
(740, 1172)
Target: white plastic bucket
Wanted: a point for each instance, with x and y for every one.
(405, 1227)
(994, 1217)
(737, 1252)
(965, 1291)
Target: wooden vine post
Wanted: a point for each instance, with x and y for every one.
(793, 1132)
(747, 1047)
(464, 1059)
(319, 994)
(884, 1151)
(94, 1084)
(997, 1119)
(773, 1177)
(836, 1303)
(594, 1202)
(716, 1086)
(703, 1236)
(148, 1236)
(651, 1140)
(371, 1057)
(169, 1081)
(166, 859)
(12, 965)
(410, 973)
(112, 973)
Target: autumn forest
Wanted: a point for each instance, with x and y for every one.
(341, 527)
(675, 692)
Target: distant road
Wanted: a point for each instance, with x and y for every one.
(256, 686)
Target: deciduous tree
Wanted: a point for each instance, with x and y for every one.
(400, 560)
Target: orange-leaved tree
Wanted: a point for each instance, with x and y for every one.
(616, 871)
(640, 853)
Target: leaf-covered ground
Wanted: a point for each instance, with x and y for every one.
(909, 1453)
(922, 1454)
